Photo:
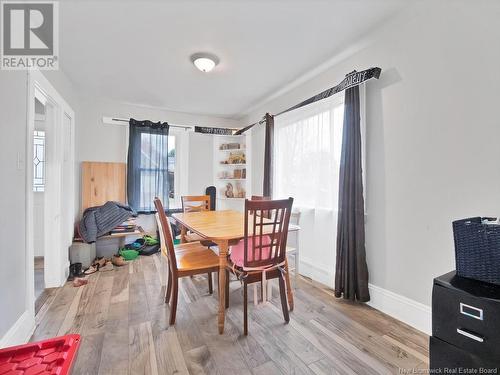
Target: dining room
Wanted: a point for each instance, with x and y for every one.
(261, 268)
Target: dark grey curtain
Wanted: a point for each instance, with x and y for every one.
(351, 274)
(148, 174)
(267, 188)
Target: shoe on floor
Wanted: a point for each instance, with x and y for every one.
(78, 281)
(75, 270)
(99, 262)
(118, 260)
(91, 270)
(107, 267)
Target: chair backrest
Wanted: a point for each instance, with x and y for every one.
(195, 203)
(259, 251)
(163, 243)
(166, 238)
(262, 198)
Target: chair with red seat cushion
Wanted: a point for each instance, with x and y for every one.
(262, 256)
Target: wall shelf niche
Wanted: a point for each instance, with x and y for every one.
(232, 170)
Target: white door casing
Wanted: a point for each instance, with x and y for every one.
(59, 192)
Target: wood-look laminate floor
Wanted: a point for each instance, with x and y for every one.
(124, 324)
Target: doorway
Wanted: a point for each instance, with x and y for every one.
(50, 204)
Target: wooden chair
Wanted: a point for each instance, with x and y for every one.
(289, 251)
(264, 250)
(195, 203)
(183, 260)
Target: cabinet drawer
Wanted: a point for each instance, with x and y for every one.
(447, 358)
(468, 322)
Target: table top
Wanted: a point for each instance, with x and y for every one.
(217, 225)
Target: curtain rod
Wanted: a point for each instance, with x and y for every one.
(106, 119)
(242, 130)
(352, 79)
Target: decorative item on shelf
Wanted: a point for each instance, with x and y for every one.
(230, 146)
(224, 175)
(240, 192)
(236, 158)
(237, 173)
(229, 193)
(244, 173)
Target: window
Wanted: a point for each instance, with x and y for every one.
(38, 161)
(171, 170)
(308, 143)
(157, 166)
(150, 166)
(307, 149)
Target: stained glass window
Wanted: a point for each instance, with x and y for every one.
(39, 161)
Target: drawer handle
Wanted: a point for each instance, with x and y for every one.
(470, 335)
(471, 311)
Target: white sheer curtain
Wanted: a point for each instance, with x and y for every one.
(307, 147)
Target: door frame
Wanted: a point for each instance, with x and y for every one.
(56, 239)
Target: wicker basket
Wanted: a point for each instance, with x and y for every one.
(477, 249)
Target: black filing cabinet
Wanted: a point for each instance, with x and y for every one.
(465, 326)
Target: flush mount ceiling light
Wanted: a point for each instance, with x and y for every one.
(204, 61)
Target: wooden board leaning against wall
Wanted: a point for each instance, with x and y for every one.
(102, 182)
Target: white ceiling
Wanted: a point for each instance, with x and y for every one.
(138, 51)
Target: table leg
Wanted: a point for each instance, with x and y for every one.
(289, 292)
(183, 234)
(223, 249)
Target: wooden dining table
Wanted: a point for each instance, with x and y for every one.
(224, 228)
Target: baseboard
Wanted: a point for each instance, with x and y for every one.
(20, 332)
(65, 273)
(317, 273)
(408, 311)
(411, 312)
(59, 280)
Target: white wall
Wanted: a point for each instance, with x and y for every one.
(12, 197)
(432, 134)
(200, 165)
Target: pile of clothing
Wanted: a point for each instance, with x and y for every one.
(101, 220)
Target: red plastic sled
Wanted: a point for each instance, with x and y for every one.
(53, 356)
